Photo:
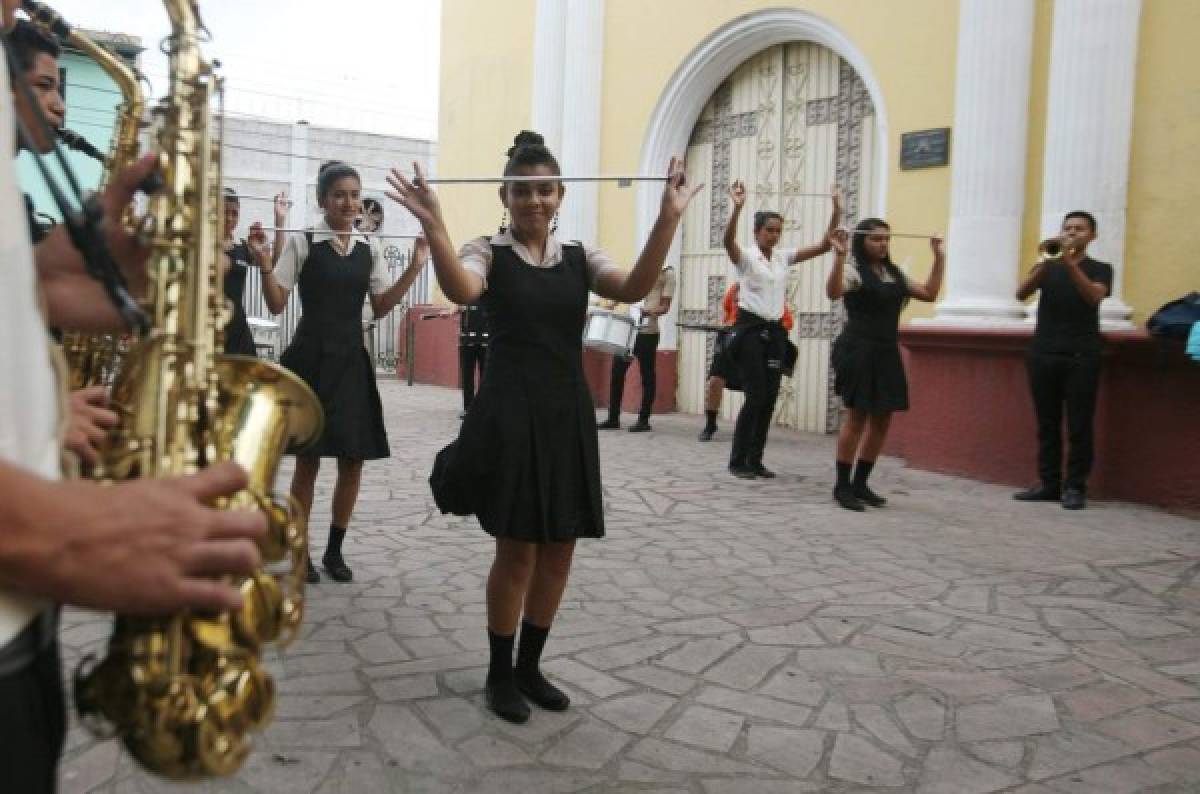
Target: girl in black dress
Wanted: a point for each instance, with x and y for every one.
(240, 258)
(526, 461)
(335, 268)
(868, 371)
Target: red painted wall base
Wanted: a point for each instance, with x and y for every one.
(972, 414)
(435, 357)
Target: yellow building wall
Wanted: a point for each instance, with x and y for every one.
(485, 99)
(1162, 241)
(487, 60)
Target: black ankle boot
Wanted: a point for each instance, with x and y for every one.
(500, 688)
(332, 559)
(530, 681)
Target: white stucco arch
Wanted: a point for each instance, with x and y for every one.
(702, 71)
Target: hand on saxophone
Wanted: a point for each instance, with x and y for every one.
(127, 250)
(89, 422)
(149, 546)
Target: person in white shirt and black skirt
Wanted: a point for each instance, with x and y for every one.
(868, 372)
(758, 345)
(335, 268)
(526, 461)
(1064, 360)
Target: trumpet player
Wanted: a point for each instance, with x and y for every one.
(1064, 358)
(144, 547)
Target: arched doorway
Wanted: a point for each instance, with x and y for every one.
(793, 119)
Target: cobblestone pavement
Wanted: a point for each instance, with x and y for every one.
(733, 637)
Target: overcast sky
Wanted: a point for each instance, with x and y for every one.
(373, 69)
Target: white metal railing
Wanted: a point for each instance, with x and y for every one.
(379, 335)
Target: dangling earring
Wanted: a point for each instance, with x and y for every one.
(503, 222)
(554, 223)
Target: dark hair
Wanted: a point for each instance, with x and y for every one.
(858, 242)
(329, 173)
(28, 40)
(529, 149)
(1087, 216)
(231, 196)
(762, 216)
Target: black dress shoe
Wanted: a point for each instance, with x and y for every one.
(312, 577)
(640, 426)
(533, 685)
(707, 434)
(1074, 499)
(865, 495)
(742, 472)
(336, 567)
(1040, 493)
(608, 424)
(505, 701)
(844, 496)
(762, 471)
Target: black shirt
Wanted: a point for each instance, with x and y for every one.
(1066, 322)
(473, 325)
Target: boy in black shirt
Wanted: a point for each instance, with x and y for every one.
(1064, 360)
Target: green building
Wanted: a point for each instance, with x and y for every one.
(92, 100)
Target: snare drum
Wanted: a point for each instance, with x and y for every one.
(609, 332)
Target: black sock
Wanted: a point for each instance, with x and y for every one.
(501, 691)
(333, 548)
(530, 680)
(862, 472)
(843, 474)
(500, 662)
(710, 420)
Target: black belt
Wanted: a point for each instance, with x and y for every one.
(23, 649)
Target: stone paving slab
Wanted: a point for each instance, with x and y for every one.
(733, 637)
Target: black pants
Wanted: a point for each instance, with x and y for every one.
(1071, 380)
(645, 348)
(468, 357)
(760, 385)
(32, 725)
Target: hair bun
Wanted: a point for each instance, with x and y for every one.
(526, 138)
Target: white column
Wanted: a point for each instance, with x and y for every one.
(549, 50)
(580, 152)
(987, 182)
(1089, 126)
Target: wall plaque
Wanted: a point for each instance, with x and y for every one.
(925, 148)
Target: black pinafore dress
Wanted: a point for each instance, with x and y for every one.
(868, 371)
(327, 351)
(238, 338)
(526, 461)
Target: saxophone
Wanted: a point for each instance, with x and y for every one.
(94, 358)
(185, 691)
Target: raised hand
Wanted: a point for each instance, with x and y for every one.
(738, 194)
(282, 204)
(415, 196)
(677, 193)
(835, 193)
(938, 245)
(420, 248)
(839, 240)
(257, 240)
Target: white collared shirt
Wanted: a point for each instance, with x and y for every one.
(476, 256)
(30, 400)
(295, 252)
(763, 282)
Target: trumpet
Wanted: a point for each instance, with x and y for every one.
(1052, 249)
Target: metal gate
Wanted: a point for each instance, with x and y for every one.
(793, 119)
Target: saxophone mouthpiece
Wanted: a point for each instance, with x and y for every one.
(75, 141)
